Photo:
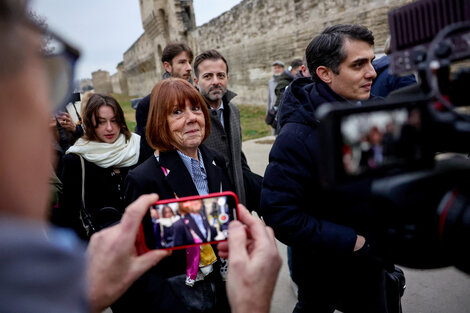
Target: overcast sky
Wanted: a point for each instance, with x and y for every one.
(104, 29)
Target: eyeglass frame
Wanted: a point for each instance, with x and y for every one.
(69, 53)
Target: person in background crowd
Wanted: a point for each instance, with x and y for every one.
(385, 82)
(278, 68)
(108, 151)
(176, 59)
(332, 263)
(66, 132)
(211, 79)
(42, 268)
(284, 80)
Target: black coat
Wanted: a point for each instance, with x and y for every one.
(183, 227)
(385, 82)
(312, 220)
(141, 115)
(103, 188)
(152, 292)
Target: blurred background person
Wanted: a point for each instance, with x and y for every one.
(108, 150)
(163, 226)
(278, 68)
(284, 80)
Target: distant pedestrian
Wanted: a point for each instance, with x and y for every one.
(278, 68)
(284, 80)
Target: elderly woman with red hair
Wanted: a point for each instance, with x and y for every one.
(178, 123)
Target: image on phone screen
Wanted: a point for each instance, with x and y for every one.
(190, 221)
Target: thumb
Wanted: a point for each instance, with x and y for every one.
(237, 242)
(145, 261)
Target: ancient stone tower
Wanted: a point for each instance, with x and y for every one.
(164, 21)
(102, 81)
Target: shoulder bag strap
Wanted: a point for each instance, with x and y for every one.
(85, 216)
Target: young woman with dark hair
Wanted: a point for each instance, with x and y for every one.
(108, 150)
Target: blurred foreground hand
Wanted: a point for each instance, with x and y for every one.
(113, 261)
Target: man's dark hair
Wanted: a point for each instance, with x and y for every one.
(296, 63)
(175, 48)
(208, 55)
(326, 49)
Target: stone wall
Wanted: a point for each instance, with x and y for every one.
(139, 66)
(115, 83)
(251, 36)
(164, 21)
(102, 82)
(122, 79)
(256, 32)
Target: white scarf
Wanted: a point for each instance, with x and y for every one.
(117, 154)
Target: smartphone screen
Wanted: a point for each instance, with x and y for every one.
(374, 140)
(190, 221)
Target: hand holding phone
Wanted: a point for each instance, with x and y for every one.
(190, 221)
(252, 245)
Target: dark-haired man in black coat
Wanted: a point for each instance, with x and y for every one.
(330, 261)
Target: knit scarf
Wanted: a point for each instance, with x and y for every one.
(120, 153)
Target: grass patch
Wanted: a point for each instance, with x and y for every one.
(251, 118)
(252, 121)
(129, 112)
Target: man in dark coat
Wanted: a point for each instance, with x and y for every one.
(330, 260)
(211, 78)
(286, 78)
(176, 59)
(283, 81)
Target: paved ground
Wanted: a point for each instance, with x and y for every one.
(431, 291)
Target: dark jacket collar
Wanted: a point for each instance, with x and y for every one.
(303, 98)
(229, 95)
(179, 178)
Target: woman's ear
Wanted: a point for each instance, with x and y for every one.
(324, 73)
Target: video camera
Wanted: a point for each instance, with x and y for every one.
(410, 152)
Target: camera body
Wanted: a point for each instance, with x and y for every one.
(419, 203)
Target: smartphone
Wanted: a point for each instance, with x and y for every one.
(185, 222)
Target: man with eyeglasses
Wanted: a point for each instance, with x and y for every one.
(43, 269)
